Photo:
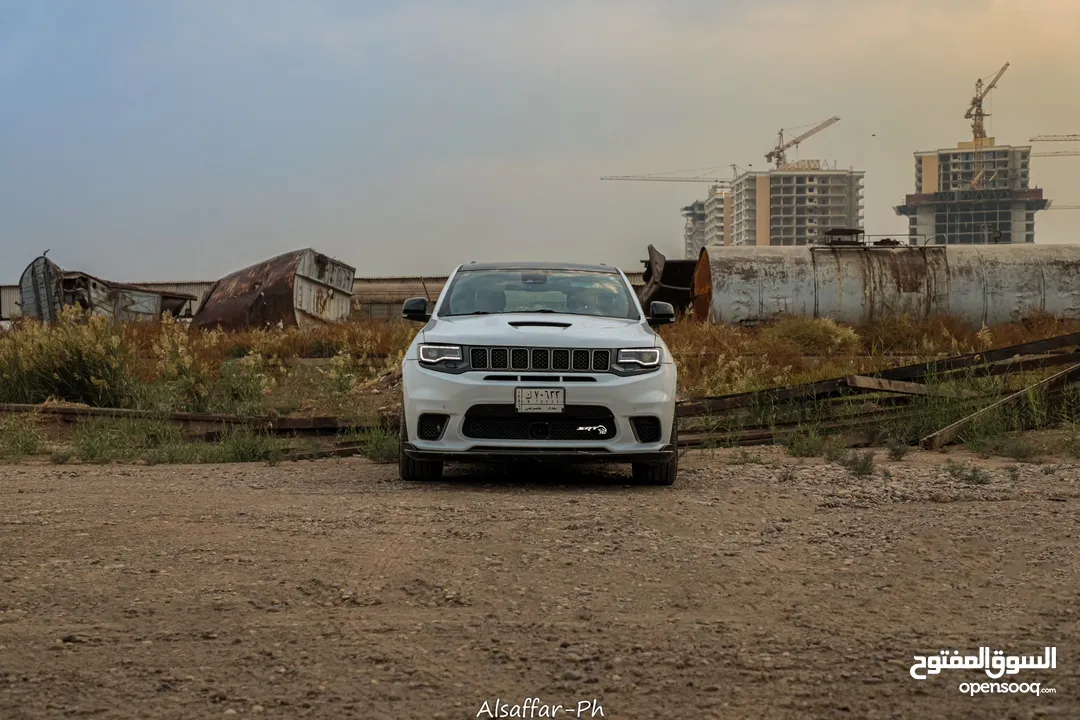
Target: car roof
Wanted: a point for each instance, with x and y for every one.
(539, 266)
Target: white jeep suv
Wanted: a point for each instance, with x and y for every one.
(538, 361)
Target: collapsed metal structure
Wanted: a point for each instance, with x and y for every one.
(860, 283)
(666, 280)
(44, 289)
(298, 289)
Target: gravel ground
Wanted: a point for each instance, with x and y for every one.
(330, 589)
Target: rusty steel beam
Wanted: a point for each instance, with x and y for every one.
(1053, 384)
(838, 386)
(265, 423)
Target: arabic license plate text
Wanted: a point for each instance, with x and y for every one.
(538, 400)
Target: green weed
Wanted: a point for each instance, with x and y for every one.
(19, 436)
(805, 445)
(897, 450)
(378, 444)
(247, 446)
(742, 457)
(966, 473)
(860, 464)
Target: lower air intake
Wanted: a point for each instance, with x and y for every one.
(647, 429)
(431, 426)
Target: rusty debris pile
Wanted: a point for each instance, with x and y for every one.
(301, 289)
(666, 280)
(866, 409)
(45, 289)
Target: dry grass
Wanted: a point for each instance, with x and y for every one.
(168, 366)
(723, 359)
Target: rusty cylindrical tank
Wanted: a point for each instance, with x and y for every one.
(976, 283)
(298, 289)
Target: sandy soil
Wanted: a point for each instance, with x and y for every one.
(330, 589)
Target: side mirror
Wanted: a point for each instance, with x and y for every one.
(415, 309)
(661, 313)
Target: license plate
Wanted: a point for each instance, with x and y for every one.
(540, 400)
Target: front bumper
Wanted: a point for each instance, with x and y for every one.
(429, 391)
(488, 454)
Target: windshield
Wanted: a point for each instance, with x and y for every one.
(574, 292)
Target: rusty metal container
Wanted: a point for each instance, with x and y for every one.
(302, 288)
(988, 284)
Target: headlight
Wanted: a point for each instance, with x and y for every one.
(638, 358)
(437, 353)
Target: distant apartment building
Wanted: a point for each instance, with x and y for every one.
(795, 204)
(694, 230)
(977, 192)
(717, 216)
(707, 222)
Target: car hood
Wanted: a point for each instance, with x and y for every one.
(540, 330)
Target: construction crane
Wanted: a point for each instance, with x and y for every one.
(978, 127)
(1055, 138)
(667, 177)
(670, 178)
(1056, 153)
(975, 112)
(777, 153)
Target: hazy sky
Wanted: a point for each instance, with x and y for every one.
(157, 140)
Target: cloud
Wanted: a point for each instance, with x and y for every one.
(406, 136)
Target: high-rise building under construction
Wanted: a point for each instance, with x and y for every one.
(977, 192)
(790, 205)
(694, 230)
(794, 204)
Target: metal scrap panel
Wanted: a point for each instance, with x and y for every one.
(325, 270)
(317, 303)
(10, 302)
(137, 305)
(39, 290)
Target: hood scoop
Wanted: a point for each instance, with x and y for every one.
(539, 323)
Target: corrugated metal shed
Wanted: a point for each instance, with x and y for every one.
(9, 302)
(196, 288)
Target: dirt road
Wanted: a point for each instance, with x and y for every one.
(330, 589)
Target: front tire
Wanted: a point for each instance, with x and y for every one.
(660, 473)
(409, 468)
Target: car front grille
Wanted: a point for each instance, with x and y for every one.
(539, 359)
(504, 422)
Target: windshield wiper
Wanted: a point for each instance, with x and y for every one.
(541, 310)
